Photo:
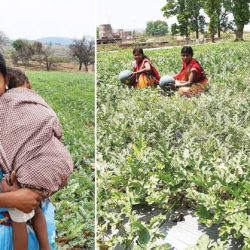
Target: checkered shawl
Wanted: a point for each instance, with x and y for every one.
(30, 135)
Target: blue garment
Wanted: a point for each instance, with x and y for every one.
(6, 231)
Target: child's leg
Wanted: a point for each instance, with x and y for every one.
(40, 228)
(19, 228)
(19, 235)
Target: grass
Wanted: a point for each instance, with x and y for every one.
(71, 95)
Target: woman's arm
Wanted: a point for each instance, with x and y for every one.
(187, 83)
(146, 68)
(23, 199)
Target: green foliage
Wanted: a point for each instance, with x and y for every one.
(26, 51)
(174, 29)
(178, 9)
(187, 14)
(71, 95)
(173, 151)
(157, 28)
(23, 51)
(190, 19)
(205, 243)
(241, 13)
(213, 10)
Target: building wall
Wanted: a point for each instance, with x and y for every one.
(105, 30)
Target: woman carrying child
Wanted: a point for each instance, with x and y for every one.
(30, 148)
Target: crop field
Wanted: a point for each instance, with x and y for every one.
(71, 95)
(169, 151)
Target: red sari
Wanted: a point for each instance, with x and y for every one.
(148, 78)
(200, 81)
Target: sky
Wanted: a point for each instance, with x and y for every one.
(33, 19)
(129, 14)
(132, 14)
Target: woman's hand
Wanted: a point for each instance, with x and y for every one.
(135, 74)
(26, 199)
(29, 203)
(23, 199)
(178, 83)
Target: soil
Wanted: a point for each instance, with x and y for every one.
(65, 67)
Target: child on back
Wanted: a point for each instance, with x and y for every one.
(145, 73)
(30, 147)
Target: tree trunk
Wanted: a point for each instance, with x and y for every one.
(212, 32)
(212, 38)
(218, 29)
(218, 26)
(212, 27)
(239, 34)
(186, 40)
(197, 33)
(86, 67)
(197, 28)
(47, 65)
(80, 66)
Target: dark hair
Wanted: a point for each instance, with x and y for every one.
(139, 51)
(3, 68)
(187, 50)
(16, 78)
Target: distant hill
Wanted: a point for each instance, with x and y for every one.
(56, 40)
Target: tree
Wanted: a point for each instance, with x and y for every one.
(197, 21)
(202, 24)
(44, 54)
(224, 23)
(3, 40)
(174, 29)
(38, 48)
(83, 51)
(26, 51)
(188, 15)
(23, 51)
(47, 56)
(177, 8)
(157, 28)
(213, 10)
(241, 14)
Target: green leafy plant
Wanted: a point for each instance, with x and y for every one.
(172, 151)
(71, 95)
